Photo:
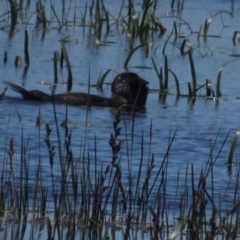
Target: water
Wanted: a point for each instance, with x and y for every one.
(197, 124)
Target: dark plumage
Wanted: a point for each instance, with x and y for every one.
(77, 98)
(130, 86)
(127, 88)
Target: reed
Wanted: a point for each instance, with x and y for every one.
(101, 80)
(97, 192)
(209, 21)
(14, 11)
(194, 79)
(5, 57)
(236, 38)
(26, 53)
(65, 57)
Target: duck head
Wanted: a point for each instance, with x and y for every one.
(130, 86)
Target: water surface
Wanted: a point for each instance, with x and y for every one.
(197, 123)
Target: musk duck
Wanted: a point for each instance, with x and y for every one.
(127, 89)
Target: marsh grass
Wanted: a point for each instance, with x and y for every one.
(85, 197)
(142, 24)
(14, 11)
(26, 53)
(66, 58)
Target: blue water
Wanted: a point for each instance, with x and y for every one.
(197, 124)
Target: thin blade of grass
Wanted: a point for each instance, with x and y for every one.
(218, 91)
(199, 33)
(56, 16)
(236, 37)
(208, 87)
(166, 74)
(5, 58)
(13, 9)
(194, 79)
(43, 16)
(164, 47)
(106, 16)
(184, 43)
(145, 20)
(27, 60)
(158, 75)
(65, 55)
(189, 90)
(131, 54)
(176, 81)
(233, 147)
(55, 59)
(101, 80)
(18, 61)
(209, 21)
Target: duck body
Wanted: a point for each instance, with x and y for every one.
(71, 98)
(127, 88)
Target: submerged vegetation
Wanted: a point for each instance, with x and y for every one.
(92, 199)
